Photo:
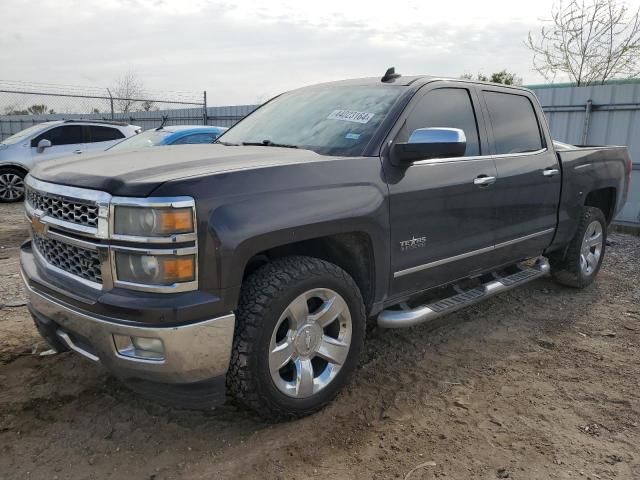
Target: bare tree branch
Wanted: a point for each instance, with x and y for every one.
(590, 41)
(128, 88)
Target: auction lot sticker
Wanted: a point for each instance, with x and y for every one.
(351, 116)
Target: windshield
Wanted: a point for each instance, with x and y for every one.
(150, 138)
(22, 135)
(331, 120)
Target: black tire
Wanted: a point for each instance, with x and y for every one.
(566, 270)
(264, 297)
(11, 172)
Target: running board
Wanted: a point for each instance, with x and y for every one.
(407, 317)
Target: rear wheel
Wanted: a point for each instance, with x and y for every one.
(300, 329)
(11, 184)
(585, 253)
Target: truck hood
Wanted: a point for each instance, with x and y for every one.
(138, 173)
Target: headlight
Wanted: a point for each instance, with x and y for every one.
(155, 269)
(152, 221)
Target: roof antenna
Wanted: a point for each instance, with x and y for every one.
(390, 75)
(164, 120)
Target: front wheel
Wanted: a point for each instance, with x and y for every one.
(584, 255)
(300, 329)
(11, 184)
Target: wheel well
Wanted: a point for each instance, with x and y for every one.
(352, 252)
(14, 167)
(604, 199)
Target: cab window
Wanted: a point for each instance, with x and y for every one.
(514, 123)
(64, 135)
(445, 108)
(103, 134)
(196, 138)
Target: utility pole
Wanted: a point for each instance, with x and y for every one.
(111, 101)
(205, 118)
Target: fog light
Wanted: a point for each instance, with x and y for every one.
(144, 348)
(148, 344)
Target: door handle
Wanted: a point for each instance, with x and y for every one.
(484, 180)
(77, 152)
(550, 172)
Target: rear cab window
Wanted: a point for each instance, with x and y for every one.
(514, 123)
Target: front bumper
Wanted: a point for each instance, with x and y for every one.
(192, 352)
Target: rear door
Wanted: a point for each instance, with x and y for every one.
(65, 140)
(440, 219)
(529, 177)
(100, 137)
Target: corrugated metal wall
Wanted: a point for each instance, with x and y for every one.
(599, 115)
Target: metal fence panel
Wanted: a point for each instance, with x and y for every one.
(23, 104)
(219, 116)
(598, 115)
(228, 116)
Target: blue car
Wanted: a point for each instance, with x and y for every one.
(170, 135)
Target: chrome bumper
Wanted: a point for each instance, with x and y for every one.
(194, 352)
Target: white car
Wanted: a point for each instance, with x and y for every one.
(48, 140)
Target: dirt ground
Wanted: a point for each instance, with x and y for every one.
(539, 383)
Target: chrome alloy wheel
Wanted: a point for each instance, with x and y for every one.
(310, 343)
(11, 187)
(591, 249)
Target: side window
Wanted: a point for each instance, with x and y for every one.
(514, 122)
(65, 135)
(197, 138)
(447, 108)
(104, 134)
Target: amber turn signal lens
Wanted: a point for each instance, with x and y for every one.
(178, 269)
(176, 220)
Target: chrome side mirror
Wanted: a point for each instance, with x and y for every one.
(438, 135)
(43, 145)
(425, 143)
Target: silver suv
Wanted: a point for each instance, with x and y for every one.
(20, 152)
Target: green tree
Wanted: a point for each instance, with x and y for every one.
(39, 109)
(148, 105)
(14, 110)
(504, 77)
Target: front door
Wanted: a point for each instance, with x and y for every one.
(529, 179)
(441, 215)
(65, 140)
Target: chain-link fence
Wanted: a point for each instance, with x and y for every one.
(23, 104)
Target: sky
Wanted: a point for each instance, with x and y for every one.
(245, 51)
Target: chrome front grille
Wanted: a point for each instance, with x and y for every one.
(78, 261)
(72, 234)
(78, 213)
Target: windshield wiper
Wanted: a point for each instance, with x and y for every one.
(268, 143)
(228, 144)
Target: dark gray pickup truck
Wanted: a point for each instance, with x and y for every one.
(252, 266)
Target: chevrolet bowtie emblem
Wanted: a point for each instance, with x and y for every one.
(38, 226)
